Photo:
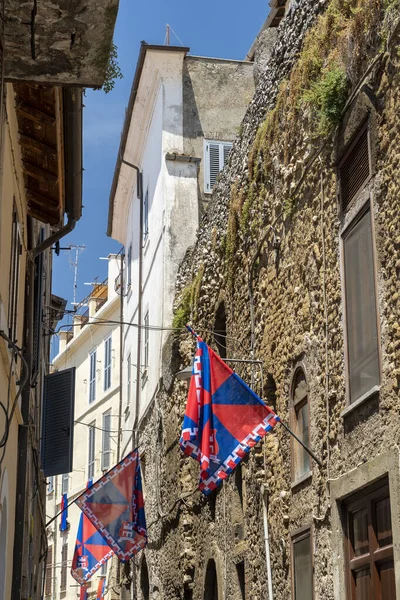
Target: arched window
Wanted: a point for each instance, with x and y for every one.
(144, 580)
(211, 582)
(301, 464)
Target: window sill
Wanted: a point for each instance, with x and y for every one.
(301, 480)
(364, 398)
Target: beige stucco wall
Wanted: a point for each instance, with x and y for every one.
(11, 189)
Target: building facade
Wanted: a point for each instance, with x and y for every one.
(295, 267)
(183, 115)
(92, 347)
(42, 49)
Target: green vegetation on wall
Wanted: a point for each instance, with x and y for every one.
(309, 103)
(189, 300)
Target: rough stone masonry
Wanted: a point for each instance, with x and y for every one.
(270, 252)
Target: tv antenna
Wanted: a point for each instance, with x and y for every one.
(74, 264)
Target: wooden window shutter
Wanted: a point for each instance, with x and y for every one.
(58, 422)
(354, 169)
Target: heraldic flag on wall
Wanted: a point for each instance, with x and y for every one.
(91, 550)
(224, 418)
(114, 505)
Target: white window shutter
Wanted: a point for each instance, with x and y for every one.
(214, 164)
(215, 157)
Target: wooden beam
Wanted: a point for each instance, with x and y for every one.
(29, 142)
(40, 174)
(34, 114)
(44, 216)
(42, 200)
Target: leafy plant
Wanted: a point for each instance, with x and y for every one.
(327, 95)
(113, 70)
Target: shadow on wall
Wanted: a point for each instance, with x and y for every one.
(192, 128)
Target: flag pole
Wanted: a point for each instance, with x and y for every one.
(306, 448)
(64, 509)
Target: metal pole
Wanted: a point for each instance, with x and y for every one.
(310, 452)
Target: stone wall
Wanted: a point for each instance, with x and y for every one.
(280, 228)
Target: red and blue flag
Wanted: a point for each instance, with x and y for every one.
(64, 513)
(114, 505)
(101, 589)
(83, 592)
(224, 418)
(91, 550)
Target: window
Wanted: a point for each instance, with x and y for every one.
(354, 168)
(129, 267)
(369, 544)
(302, 566)
(103, 570)
(129, 378)
(107, 363)
(146, 215)
(64, 566)
(91, 453)
(106, 442)
(301, 463)
(50, 484)
(49, 566)
(16, 250)
(65, 483)
(215, 158)
(146, 340)
(92, 378)
(361, 310)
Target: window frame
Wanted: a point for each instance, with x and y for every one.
(295, 447)
(91, 463)
(365, 127)
(50, 484)
(297, 536)
(64, 483)
(128, 378)
(129, 267)
(92, 379)
(64, 566)
(107, 362)
(207, 169)
(145, 223)
(49, 572)
(366, 207)
(360, 499)
(106, 435)
(14, 274)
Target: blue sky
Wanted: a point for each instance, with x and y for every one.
(220, 28)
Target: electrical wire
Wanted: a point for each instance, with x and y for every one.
(22, 384)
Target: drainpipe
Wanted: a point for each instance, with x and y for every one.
(139, 179)
(264, 495)
(121, 362)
